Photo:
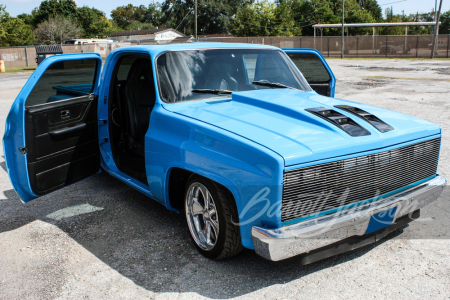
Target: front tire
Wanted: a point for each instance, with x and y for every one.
(210, 211)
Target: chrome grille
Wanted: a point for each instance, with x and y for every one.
(323, 187)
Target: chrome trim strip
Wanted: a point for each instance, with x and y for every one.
(288, 241)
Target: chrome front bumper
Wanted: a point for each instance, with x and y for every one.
(303, 237)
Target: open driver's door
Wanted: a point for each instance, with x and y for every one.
(51, 134)
(315, 70)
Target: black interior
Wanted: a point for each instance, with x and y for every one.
(323, 89)
(221, 71)
(314, 72)
(131, 101)
(228, 78)
(61, 139)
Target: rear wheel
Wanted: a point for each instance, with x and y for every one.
(210, 210)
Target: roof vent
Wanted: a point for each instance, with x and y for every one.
(339, 120)
(371, 119)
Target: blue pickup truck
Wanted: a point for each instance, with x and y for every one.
(247, 141)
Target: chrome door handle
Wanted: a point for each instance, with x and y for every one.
(65, 113)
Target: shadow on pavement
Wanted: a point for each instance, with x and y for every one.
(150, 245)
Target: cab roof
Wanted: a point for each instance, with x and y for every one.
(157, 49)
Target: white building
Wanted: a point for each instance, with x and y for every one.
(163, 35)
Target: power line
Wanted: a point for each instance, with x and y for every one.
(189, 11)
(171, 10)
(392, 2)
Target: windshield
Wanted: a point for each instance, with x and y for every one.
(189, 74)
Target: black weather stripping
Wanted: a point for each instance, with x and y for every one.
(368, 117)
(343, 122)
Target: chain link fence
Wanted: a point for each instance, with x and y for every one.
(355, 46)
(330, 46)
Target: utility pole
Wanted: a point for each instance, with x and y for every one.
(342, 39)
(436, 31)
(435, 12)
(195, 18)
(435, 9)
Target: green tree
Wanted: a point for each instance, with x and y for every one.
(123, 15)
(54, 8)
(213, 16)
(27, 18)
(136, 25)
(4, 16)
(139, 13)
(373, 8)
(265, 18)
(309, 12)
(392, 30)
(444, 28)
(92, 21)
(111, 28)
(14, 31)
(152, 14)
(412, 30)
(178, 13)
(126, 15)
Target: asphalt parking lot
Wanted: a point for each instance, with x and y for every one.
(125, 246)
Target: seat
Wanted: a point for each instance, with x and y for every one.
(140, 99)
(220, 77)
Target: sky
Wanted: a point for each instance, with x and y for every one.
(16, 7)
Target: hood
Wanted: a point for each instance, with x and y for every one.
(277, 119)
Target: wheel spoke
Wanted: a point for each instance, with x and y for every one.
(212, 211)
(197, 208)
(214, 226)
(206, 197)
(197, 224)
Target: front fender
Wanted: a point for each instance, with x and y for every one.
(252, 173)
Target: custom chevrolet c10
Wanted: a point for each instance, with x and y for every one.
(247, 141)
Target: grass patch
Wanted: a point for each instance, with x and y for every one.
(404, 78)
(19, 69)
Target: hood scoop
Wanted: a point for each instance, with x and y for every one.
(218, 101)
(368, 117)
(343, 122)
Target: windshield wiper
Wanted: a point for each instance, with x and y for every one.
(212, 91)
(272, 84)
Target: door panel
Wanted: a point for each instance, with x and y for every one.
(62, 145)
(315, 70)
(51, 132)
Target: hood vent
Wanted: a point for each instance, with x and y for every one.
(218, 101)
(343, 122)
(371, 119)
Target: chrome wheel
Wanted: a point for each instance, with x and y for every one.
(201, 215)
